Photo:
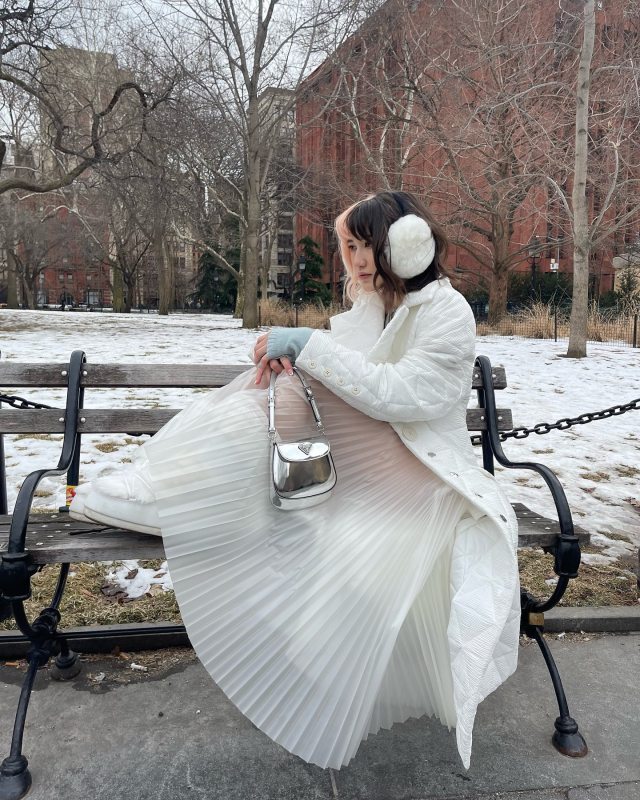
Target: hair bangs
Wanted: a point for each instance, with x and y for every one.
(360, 220)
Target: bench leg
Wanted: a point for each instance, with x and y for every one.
(567, 739)
(66, 665)
(15, 778)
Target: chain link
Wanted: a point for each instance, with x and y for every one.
(20, 402)
(565, 423)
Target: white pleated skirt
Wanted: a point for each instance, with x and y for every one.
(322, 625)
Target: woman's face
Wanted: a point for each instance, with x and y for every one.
(362, 263)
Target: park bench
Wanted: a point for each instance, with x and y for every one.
(29, 542)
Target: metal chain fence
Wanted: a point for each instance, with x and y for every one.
(566, 422)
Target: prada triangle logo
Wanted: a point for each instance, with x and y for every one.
(305, 447)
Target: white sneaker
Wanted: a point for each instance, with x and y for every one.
(123, 500)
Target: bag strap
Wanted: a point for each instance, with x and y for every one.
(308, 394)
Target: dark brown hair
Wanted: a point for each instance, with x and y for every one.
(369, 220)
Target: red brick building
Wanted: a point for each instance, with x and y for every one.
(475, 116)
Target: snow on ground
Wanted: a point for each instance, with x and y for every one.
(598, 463)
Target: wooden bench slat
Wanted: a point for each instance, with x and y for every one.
(14, 375)
(149, 420)
(52, 538)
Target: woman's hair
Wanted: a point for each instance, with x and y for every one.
(369, 220)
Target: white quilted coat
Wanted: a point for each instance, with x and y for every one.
(416, 375)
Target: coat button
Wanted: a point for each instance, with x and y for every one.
(477, 494)
(355, 390)
(340, 381)
(312, 365)
(454, 474)
(503, 518)
(409, 433)
(431, 455)
(327, 372)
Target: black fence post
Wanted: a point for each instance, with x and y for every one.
(296, 315)
(635, 330)
(555, 323)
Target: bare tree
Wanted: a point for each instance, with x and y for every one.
(442, 100)
(31, 238)
(240, 50)
(594, 170)
(79, 130)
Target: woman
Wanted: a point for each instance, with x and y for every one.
(398, 596)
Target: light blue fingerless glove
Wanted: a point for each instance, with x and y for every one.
(287, 342)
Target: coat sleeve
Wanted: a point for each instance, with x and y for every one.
(433, 374)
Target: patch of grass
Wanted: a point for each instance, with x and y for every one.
(596, 477)
(84, 603)
(597, 585)
(626, 471)
(544, 450)
(108, 447)
(48, 437)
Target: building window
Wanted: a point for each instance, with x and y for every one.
(61, 277)
(282, 279)
(284, 259)
(285, 241)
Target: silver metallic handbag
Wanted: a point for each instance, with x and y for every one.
(302, 472)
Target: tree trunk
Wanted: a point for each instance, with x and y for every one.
(498, 291)
(12, 281)
(130, 296)
(250, 310)
(117, 292)
(581, 244)
(164, 267)
(27, 294)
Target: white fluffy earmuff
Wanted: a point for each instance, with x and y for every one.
(411, 246)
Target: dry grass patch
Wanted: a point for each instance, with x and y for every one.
(596, 585)
(596, 477)
(108, 447)
(47, 437)
(85, 603)
(311, 315)
(626, 471)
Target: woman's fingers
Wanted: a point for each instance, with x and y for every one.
(286, 364)
(262, 369)
(260, 348)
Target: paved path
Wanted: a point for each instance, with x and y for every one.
(176, 736)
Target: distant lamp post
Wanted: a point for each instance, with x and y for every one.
(302, 265)
(216, 305)
(534, 260)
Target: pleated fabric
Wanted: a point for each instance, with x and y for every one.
(322, 625)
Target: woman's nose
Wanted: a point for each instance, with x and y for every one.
(360, 258)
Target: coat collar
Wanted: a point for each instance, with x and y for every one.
(426, 293)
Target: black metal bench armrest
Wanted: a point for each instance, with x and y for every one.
(567, 547)
(16, 567)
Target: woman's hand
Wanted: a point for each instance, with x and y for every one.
(266, 365)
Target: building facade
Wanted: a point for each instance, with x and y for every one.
(445, 104)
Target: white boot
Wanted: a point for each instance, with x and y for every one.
(122, 499)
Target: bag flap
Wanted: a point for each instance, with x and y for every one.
(303, 449)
